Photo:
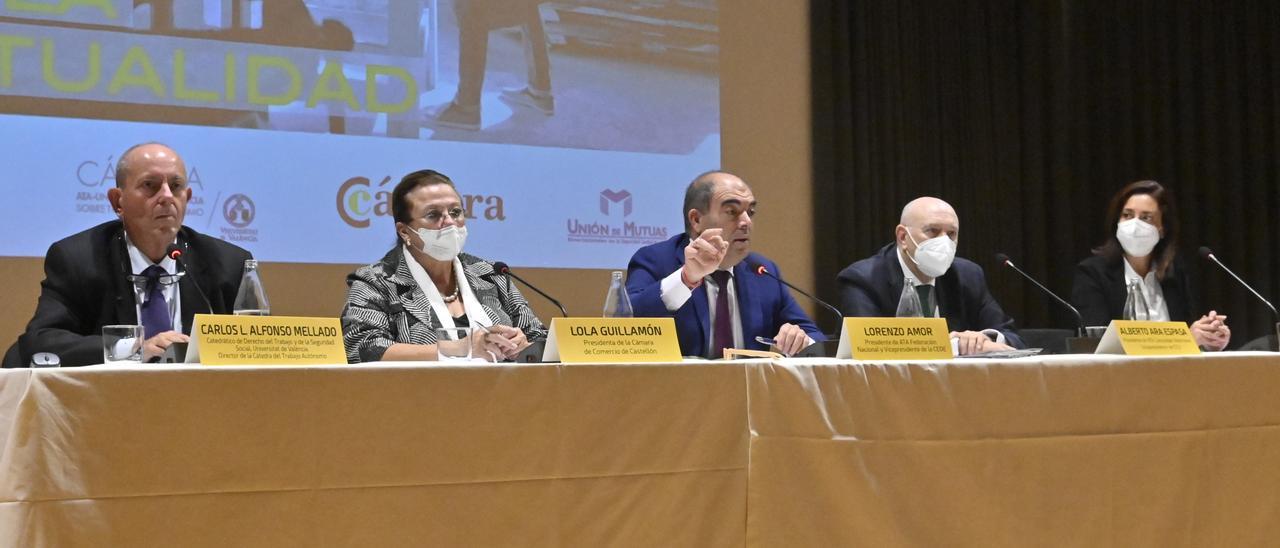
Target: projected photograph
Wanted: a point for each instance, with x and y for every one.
(571, 127)
(638, 75)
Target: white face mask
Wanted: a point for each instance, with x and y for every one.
(443, 244)
(934, 256)
(1137, 237)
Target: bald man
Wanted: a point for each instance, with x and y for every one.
(949, 287)
(87, 275)
(706, 278)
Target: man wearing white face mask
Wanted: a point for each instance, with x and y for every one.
(1142, 246)
(949, 287)
(426, 282)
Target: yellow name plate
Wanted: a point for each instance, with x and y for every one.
(895, 339)
(265, 340)
(612, 340)
(1147, 339)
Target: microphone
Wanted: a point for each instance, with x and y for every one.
(500, 267)
(1208, 254)
(1004, 259)
(175, 252)
(762, 270)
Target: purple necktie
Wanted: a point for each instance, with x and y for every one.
(722, 334)
(155, 310)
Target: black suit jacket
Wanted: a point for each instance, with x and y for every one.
(872, 287)
(1099, 291)
(86, 287)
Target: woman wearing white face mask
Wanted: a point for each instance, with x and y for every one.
(1142, 245)
(426, 282)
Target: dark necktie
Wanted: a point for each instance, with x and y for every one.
(155, 310)
(722, 334)
(926, 300)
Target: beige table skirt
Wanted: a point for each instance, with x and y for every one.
(374, 456)
(1063, 451)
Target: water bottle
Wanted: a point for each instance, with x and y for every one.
(616, 302)
(1135, 305)
(251, 299)
(909, 304)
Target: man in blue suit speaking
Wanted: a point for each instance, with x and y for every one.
(706, 278)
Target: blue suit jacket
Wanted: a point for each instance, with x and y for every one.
(871, 288)
(763, 303)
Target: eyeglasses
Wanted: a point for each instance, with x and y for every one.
(436, 216)
(164, 280)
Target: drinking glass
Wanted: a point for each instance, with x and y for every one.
(122, 344)
(453, 344)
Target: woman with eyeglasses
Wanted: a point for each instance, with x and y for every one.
(1141, 246)
(395, 306)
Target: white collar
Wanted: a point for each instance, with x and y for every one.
(140, 262)
(476, 314)
(1131, 274)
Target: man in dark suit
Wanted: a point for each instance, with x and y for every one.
(948, 287)
(706, 277)
(87, 275)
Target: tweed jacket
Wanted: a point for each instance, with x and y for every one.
(385, 306)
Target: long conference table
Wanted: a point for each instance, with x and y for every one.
(1046, 451)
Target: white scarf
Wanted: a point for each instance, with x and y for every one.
(470, 305)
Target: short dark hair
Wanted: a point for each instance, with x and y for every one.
(1167, 248)
(122, 166)
(422, 177)
(698, 196)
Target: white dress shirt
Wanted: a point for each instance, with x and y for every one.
(1157, 309)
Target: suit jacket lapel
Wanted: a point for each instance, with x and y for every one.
(896, 279)
(948, 296)
(412, 297)
(1117, 287)
(748, 316)
(481, 285)
(125, 307)
(700, 305)
(189, 296)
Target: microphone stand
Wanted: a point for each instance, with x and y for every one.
(1208, 254)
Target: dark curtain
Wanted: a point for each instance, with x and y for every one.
(1028, 115)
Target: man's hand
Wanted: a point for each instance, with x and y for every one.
(790, 339)
(975, 342)
(1211, 331)
(703, 255)
(155, 346)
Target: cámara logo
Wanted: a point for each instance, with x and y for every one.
(359, 201)
(96, 176)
